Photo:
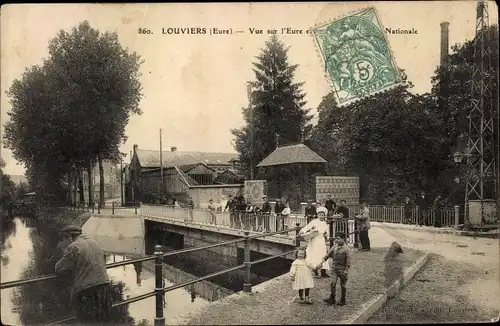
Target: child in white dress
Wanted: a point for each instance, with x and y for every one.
(302, 279)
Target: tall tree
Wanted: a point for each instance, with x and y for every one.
(71, 113)
(7, 187)
(278, 106)
(103, 78)
(390, 139)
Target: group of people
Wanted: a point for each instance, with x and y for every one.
(423, 204)
(313, 259)
(83, 260)
(245, 214)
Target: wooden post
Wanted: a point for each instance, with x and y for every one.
(159, 319)
(457, 216)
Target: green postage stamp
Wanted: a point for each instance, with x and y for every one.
(357, 56)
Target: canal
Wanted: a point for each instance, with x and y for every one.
(27, 251)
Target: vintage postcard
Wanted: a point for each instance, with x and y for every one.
(250, 163)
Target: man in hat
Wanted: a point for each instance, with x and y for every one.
(83, 261)
(310, 212)
(341, 264)
(265, 213)
(278, 208)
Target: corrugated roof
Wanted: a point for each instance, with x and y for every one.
(151, 159)
(299, 153)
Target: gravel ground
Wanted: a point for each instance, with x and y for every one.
(445, 291)
(275, 303)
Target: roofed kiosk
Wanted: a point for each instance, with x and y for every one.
(294, 168)
(292, 154)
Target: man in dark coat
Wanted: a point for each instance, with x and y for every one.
(407, 209)
(278, 208)
(437, 207)
(265, 213)
(310, 212)
(341, 224)
(83, 261)
(330, 205)
(422, 203)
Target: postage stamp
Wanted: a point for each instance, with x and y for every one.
(357, 56)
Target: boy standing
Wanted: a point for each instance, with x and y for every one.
(341, 264)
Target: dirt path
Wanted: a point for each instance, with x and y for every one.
(460, 282)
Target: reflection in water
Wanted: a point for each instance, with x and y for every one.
(42, 302)
(27, 251)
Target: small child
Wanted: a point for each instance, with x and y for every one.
(302, 279)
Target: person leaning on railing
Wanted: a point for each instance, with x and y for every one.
(211, 209)
(341, 223)
(83, 261)
(310, 212)
(233, 213)
(190, 206)
(263, 215)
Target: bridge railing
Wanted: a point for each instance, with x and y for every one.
(158, 257)
(396, 214)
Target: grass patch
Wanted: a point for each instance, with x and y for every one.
(275, 305)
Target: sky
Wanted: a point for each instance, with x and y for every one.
(195, 85)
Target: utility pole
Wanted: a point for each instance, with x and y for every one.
(121, 176)
(161, 167)
(481, 167)
(252, 130)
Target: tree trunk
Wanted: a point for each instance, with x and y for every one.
(80, 186)
(69, 196)
(101, 183)
(75, 186)
(91, 185)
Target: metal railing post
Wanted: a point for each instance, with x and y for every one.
(457, 216)
(247, 286)
(297, 230)
(113, 208)
(356, 233)
(159, 319)
(331, 230)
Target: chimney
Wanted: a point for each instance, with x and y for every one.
(173, 149)
(444, 42)
(443, 87)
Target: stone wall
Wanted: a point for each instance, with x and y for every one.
(202, 194)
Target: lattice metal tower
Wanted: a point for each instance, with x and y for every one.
(481, 169)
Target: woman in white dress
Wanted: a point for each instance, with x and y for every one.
(316, 247)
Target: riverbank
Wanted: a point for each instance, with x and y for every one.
(274, 302)
(60, 217)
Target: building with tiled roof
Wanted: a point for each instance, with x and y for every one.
(181, 170)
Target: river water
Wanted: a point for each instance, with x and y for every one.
(26, 251)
